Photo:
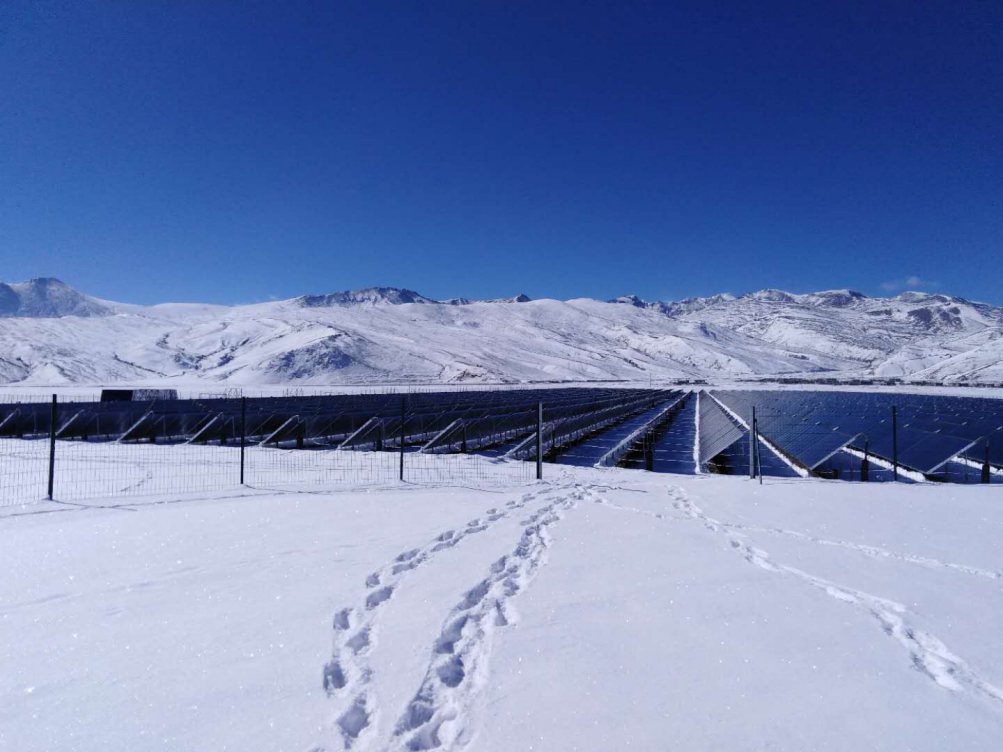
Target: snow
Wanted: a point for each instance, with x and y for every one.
(51, 335)
(599, 609)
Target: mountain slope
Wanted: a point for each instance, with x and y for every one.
(46, 298)
(381, 334)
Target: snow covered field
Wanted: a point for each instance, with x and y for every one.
(597, 610)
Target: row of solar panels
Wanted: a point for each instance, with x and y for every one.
(444, 421)
(919, 432)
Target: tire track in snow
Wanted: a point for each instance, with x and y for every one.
(348, 675)
(929, 655)
(440, 714)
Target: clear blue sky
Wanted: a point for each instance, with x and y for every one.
(154, 151)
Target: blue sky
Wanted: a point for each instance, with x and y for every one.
(234, 153)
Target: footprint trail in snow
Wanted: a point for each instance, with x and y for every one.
(440, 716)
(347, 677)
(929, 655)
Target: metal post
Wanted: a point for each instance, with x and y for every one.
(243, 435)
(752, 444)
(865, 465)
(895, 443)
(649, 452)
(759, 454)
(52, 448)
(403, 417)
(986, 475)
(539, 443)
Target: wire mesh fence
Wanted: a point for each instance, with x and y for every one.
(24, 470)
(114, 449)
(107, 469)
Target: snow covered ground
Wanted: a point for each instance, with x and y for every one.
(597, 610)
(53, 335)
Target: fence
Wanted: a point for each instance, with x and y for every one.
(35, 464)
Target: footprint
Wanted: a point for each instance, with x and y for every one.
(407, 555)
(406, 566)
(373, 580)
(342, 619)
(354, 720)
(334, 677)
(476, 594)
(359, 641)
(378, 597)
(451, 673)
(451, 635)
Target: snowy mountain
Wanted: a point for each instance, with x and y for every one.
(46, 298)
(53, 334)
(367, 296)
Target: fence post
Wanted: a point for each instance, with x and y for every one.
(403, 415)
(539, 443)
(759, 454)
(752, 445)
(986, 474)
(52, 448)
(895, 443)
(243, 435)
(865, 465)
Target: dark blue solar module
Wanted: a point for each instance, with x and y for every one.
(588, 452)
(810, 426)
(673, 449)
(716, 428)
(735, 461)
(848, 466)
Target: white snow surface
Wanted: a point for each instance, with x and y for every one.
(597, 610)
(52, 335)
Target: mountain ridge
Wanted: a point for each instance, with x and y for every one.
(51, 334)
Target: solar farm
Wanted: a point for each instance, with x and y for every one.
(370, 572)
(79, 450)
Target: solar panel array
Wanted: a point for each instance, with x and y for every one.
(849, 435)
(717, 429)
(927, 432)
(345, 421)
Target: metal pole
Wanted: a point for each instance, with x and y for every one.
(243, 435)
(539, 443)
(52, 448)
(895, 443)
(752, 445)
(759, 454)
(986, 474)
(403, 416)
(865, 466)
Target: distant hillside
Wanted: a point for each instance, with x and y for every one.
(53, 334)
